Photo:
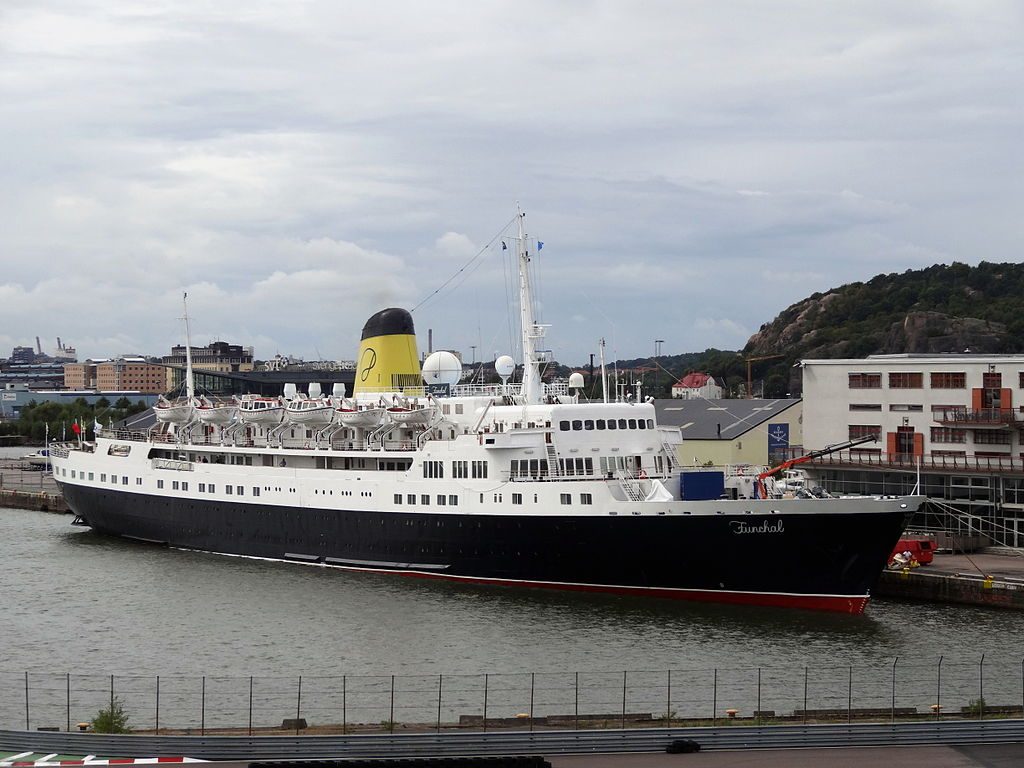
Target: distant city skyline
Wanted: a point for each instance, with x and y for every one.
(692, 168)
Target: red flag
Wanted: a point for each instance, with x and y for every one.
(75, 428)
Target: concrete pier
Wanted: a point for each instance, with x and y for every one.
(25, 488)
(983, 578)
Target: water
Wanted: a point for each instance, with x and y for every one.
(81, 603)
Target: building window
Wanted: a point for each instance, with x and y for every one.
(948, 380)
(906, 380)
(865, 381)
(985, 437)
(865, 406)
(858, 431)
(905, 407)
(992, 380)
(566, 498)
(948, 435)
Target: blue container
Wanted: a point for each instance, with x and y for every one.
(701, 486)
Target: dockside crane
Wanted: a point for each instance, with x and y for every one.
(748, 361)
(790, 463)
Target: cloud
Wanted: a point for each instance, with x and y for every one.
(296, 168)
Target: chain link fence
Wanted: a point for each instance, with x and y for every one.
(888, 690)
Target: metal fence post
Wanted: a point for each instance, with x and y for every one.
(157, 705)
(714, 699)
(69, 700)
(623, 723)
(250, 705)
(757, 716)
(938, 691)
(532, 685)
(576, 691)
(486, 676)
(344, 710)
(27, 727)
(440, 682)
(981, 688)
(298, 702)
(111, 697)
(805, 695)
(892, 712)
(391, 715)
(668, 701)
(849, 698)
(202, 709)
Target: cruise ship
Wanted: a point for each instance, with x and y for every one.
(519, 484)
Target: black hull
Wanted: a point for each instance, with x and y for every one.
(828, 560)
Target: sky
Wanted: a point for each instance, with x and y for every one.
(692, 168)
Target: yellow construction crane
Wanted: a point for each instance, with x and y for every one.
(748, 361)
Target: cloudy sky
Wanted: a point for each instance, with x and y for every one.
(692, 167)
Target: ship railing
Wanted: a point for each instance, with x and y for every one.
(175, 464)
(127, 435)
(60, 450)
(911, 463)
(630, 485)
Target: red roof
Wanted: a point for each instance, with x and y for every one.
(694, 380)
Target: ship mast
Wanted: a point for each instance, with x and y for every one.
(531, 330)
(190, 385)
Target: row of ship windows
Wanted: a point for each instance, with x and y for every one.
(590, 424)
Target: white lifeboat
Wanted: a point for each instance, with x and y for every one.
(260, 410)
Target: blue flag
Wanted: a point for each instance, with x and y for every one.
(540, 244)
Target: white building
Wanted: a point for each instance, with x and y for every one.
(694, 386)
(951, 405)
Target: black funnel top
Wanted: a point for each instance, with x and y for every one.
(388, 322)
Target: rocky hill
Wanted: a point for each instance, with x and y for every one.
(943, 308)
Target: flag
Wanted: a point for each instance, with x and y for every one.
(75, 428)
(96, 427)
(540, 244)
(503, 246)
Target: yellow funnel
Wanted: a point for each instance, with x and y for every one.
(388, 361)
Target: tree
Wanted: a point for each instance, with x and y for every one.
(111, 719)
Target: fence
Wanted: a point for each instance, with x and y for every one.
(880, 692)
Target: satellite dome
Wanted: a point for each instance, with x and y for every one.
(442, 368)
(576, 381)
(504, 366)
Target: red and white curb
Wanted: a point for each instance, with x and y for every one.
(18, 761)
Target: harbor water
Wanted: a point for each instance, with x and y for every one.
(79, 607)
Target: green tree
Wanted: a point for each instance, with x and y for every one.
(112, 718)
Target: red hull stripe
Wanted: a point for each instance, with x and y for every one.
(839, 603)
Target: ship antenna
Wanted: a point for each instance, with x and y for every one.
(531, 331)
(190, 385)
(604, 373)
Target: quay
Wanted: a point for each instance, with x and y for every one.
(983, 578)
(24, 488)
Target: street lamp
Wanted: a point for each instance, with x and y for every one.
(657, 354)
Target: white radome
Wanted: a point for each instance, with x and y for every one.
(576, 381)
(504, 366)
(442, 368)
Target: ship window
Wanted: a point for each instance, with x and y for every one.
(113, 479)
(460, 469)
(103, 478)
(440, 499)
(453, 500)
(73, 474)
(622, 424)
(458, 408)
(410, 498)
(588, 424)
(612, 424)
(202, 487)
(479, 469)
(240, 490)
(175, 485)
(566, 498)
(227, 490)
(577, 425)
(632, 423)
(138, 481)
(398, 498)
(564, 425)
(586, 498)
(600, 423)
(90, 475)
(425, 499)
(433, 469)
(159, 483)
(213, 488)
(255, 490)
(517, 498)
